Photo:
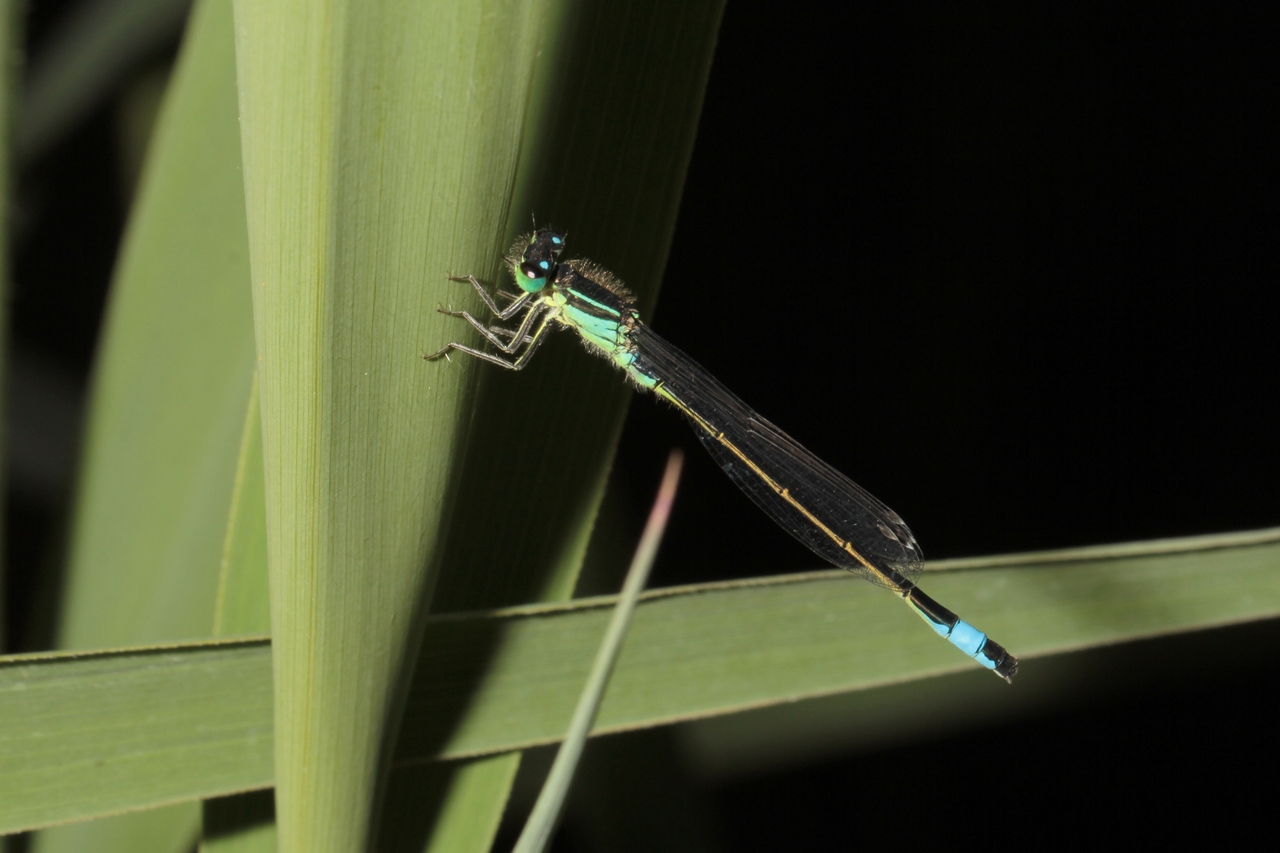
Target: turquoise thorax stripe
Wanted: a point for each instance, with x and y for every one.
(610, 309)
(602, 332)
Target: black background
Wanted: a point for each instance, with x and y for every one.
(1009, 269)
(1018, 268)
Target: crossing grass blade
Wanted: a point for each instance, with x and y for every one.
(86, 734)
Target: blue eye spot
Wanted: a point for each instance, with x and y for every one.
(544, 265)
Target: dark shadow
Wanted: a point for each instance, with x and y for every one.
(606, 162)
(228, 816)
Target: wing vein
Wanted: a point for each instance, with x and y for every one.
(835, 517)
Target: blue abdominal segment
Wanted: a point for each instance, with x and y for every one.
(962, 635)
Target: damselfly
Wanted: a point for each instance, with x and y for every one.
(835, 517)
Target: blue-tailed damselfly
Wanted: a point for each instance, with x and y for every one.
(835, 517)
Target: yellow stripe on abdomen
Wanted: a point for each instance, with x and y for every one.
(781, 491)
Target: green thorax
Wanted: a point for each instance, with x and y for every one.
(588, 299)
(578, 294)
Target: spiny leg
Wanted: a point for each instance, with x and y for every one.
(517, 336)
(534, 340)
(502, 313)
(507, 333)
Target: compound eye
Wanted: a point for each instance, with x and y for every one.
(533, 275)
(535, 269)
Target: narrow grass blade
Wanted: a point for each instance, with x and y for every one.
(243, 823)
(546, 811)
(85, 734)
(243, 603)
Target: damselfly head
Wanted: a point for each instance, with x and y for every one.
(534, 257)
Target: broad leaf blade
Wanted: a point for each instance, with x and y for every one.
(108, 732)
(613, 114)
(380, 149)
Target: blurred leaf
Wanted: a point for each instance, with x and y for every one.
(83, 60)
(168, 402)
(243, 823)
(137, 108)
(172, 379)
(9, 33)
(243, 603)
(88, 726)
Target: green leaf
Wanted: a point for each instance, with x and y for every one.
(9, 33)
(243, 603)
(706, 650)
(100, 733)
(81, 62)
(168, 402)
(380, 149)
(616, 97)
(82, 735)
(173, 377)
(243, 823)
